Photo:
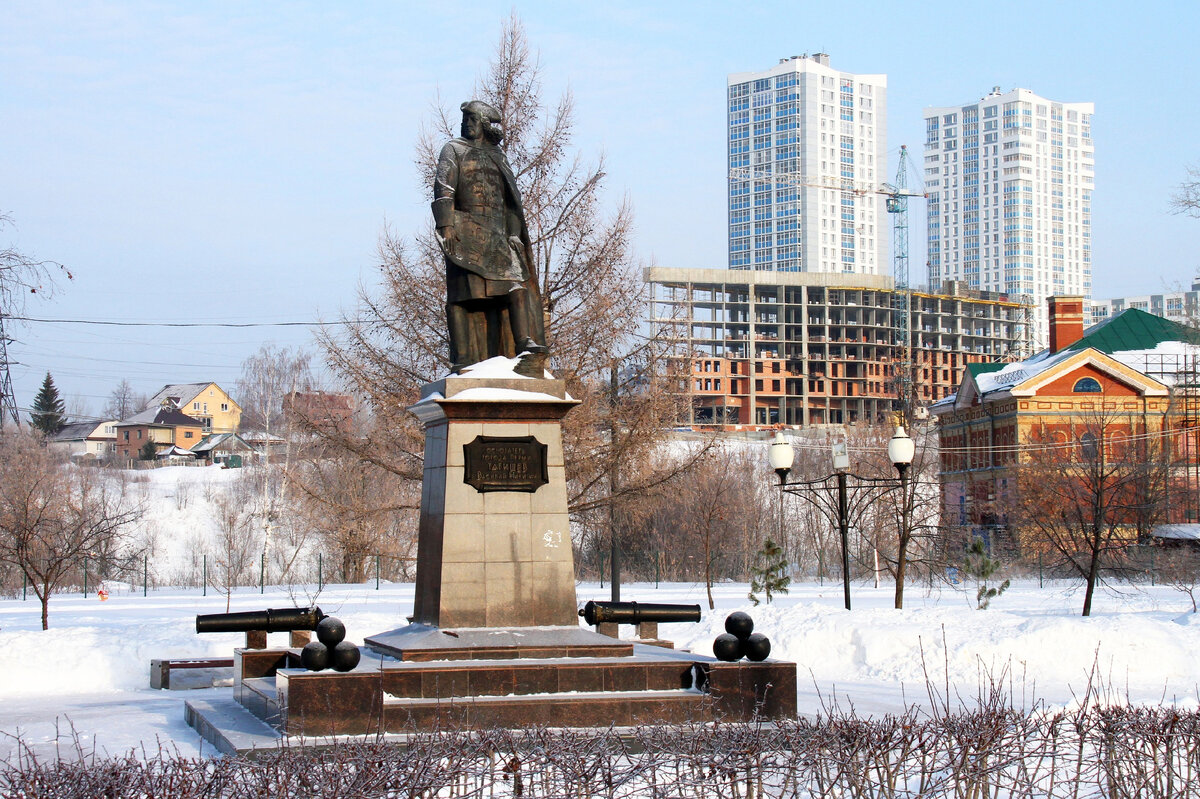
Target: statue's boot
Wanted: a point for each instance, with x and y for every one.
(459, 324)
(518, 314)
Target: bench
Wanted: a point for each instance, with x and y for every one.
(160, 670)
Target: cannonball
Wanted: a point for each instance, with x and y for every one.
(757, 647)
(727, 647)
(345, 656)
(314, 656)
(331, 631)
(739, 624)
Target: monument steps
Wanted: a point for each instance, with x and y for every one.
(260, 696)
(570, 709)
(383, 694)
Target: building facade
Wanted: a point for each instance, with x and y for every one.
(1178, 306)
(96, 440)
(1009, 181)
(207, 402)
(809, 349)
(165, 426)
(1127, 380)
(807, 154)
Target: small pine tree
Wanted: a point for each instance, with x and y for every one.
(770, 576)
(49, 412)
(149, 451)
(980, 566)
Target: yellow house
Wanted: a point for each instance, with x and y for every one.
(207, 402)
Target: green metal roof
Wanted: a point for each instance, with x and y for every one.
(977, 369)
(1134, 330)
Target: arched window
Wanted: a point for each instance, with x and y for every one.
(1087, 445)
(1087, 385)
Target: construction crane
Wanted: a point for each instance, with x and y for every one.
(897, 205)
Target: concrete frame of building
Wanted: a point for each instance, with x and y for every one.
(816, 348)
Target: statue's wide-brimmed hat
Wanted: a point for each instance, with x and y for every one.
(481, 110)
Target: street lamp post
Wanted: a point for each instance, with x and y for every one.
(900, 452)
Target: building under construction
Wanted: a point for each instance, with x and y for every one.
(810, 348)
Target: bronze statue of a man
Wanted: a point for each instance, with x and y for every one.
(493, 306)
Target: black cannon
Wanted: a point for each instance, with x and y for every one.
(637, 612)
(257, 623)
(272, 620)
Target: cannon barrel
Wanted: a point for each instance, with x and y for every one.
(272, 620)
(637, 612)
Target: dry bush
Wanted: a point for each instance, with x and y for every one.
(991, 750)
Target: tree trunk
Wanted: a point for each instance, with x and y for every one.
(1093, 568)
(708, 569)
(45, 598)
(901, 563)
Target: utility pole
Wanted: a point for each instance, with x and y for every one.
(615, 553)
(8, 398)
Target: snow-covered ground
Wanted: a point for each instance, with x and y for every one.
(88, 676)
(90, 672)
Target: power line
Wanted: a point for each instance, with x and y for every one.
(109, 323)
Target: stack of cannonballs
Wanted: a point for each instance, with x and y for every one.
(740, 641)
(330, 650)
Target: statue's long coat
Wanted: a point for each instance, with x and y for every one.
(476, 194)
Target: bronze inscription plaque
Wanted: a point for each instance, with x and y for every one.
(495, 463)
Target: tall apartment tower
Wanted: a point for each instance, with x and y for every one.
(807, 152)
(1010, 181)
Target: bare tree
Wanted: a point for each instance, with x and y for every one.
(1180, 566)
(268, 377)
(711, 523)
(1186, 199)
(52, 515)
(22, 275)
(354, 511)
(236, 544)
(901, 526)
(123, 402)
(591, 290)
(1089, 487)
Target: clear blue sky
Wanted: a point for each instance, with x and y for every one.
(235, 162)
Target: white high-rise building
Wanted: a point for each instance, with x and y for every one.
(1010, 181)
(807, 152)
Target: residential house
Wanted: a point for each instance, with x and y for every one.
(268, 444)
(85, 440)
(1138, 371)
(220, 447)
(165, 425)
(208, 402)
(320, 409)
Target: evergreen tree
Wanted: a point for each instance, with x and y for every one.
(770, 576)
(980, 566)
(148, 452)
(49, 412)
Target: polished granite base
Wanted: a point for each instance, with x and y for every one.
(504, 687)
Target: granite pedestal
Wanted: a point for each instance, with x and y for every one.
(494, 547)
